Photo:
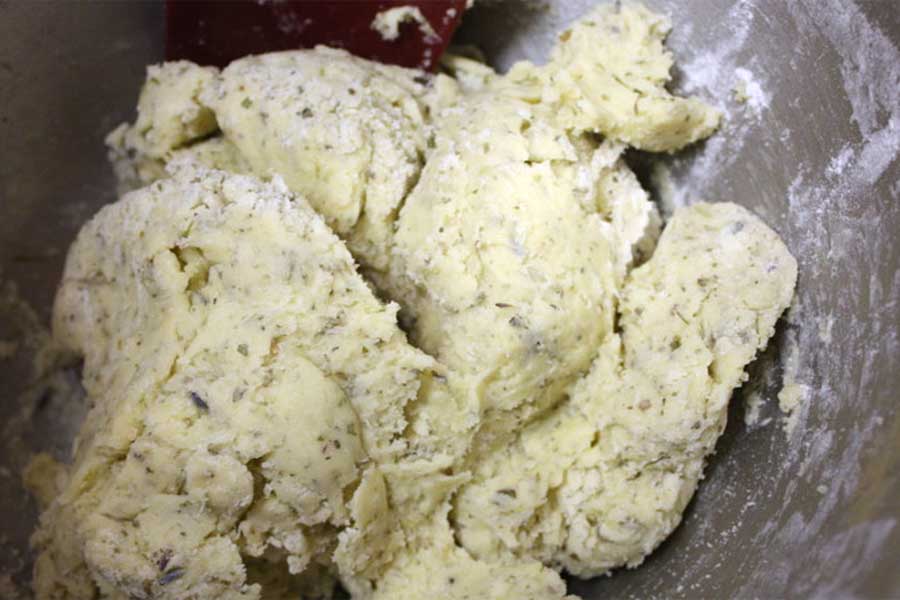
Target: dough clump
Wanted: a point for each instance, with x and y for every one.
(262, 426)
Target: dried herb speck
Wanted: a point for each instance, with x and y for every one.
(171, 575)
(198, 401)
(517, 322)
(163, 561)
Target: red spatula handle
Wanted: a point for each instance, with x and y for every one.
(214, 32)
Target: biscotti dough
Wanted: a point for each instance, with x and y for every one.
(262, 426)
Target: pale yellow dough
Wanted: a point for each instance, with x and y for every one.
(261, 427)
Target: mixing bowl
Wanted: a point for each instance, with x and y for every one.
(811, 91)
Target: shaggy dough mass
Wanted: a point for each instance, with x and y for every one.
(261, 427)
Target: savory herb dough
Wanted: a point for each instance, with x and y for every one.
(260, 424)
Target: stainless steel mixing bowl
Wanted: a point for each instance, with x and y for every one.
(812, 149)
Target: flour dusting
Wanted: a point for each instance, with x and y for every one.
(842, 233)
(716, 72)
(839, 161)
(793, 394)
(826, 325)
(749, 91)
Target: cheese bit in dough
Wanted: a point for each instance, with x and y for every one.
(604, 479)
(245, 385)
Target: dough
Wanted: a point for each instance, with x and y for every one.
(387, 22)
(345, 132)
(509, 252)
(169, 116)
(215, 315)
(262, 427)
(609, 73)
(602, 481)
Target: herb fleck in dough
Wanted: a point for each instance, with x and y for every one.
(261, 426)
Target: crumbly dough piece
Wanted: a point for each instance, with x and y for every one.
(449, 572)
(216, 315)
(169, 112)
(387, 22)
(345, 132)
(608, 74)
(134, 170)
(507, 257)
(170, 116)
(44, 477)
(601, 482)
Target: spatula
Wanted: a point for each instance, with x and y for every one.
(215, 32)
